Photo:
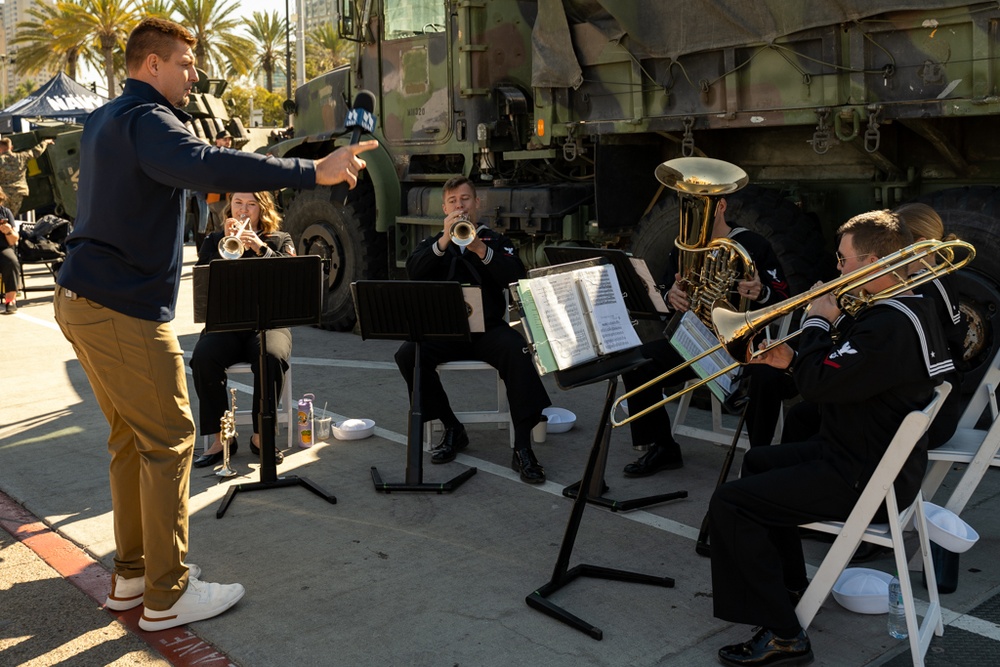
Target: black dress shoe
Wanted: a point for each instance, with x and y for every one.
(205, 460)
(278, 456)
(452, 442)
(767, 649)
(659, 457)
(524, 462)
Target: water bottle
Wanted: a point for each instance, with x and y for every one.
(305, 419)
(897, 614)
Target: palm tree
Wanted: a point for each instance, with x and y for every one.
(215, 27)
(326, 49)
(50, 40)
(268, 32)
(107, 24)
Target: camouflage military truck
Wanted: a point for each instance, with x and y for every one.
(52, 178)
(561, 109)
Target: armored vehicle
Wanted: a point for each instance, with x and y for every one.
(560, 110)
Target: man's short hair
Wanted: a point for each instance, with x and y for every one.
(154, 35)
(456, 182)
(878, 233)
(7, 143)
(223, 135)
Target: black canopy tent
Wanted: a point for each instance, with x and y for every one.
(61, 98)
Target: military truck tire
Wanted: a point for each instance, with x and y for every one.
(345, 237)
(795, 236)
(973, 214)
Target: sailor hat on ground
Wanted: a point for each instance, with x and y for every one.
(863, 590)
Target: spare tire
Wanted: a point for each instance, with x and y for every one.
(973, 214)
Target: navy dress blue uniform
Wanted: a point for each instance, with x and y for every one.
(499, 345)
(655, 426)
(884, 364)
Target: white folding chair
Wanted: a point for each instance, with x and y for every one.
(970, 445)
(286, 412)
(858, 528)
(500, 415)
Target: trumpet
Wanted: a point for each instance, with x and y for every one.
(736, 331)
(463, 232)
(228, 423)
(231, 247)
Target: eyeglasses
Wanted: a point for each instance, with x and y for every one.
(841, 260)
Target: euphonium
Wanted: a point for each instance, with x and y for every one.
(231, 247)
(463, 232)
(707, 267)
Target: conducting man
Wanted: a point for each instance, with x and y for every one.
(116, 297)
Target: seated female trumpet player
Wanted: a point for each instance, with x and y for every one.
(254, 219)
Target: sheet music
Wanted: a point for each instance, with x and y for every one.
(602, 295)
(691, 339)
(562, 315)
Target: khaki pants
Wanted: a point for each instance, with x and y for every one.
(136, 370)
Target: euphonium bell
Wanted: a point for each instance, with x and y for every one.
(708, 268)
(231, 247)
(463, 232)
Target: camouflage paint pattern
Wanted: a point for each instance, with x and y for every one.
(846, 111)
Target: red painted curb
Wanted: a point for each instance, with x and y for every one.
(179, 646)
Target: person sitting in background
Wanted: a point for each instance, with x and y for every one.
(652, 431)
(254, 219)
(10, 268)
(491, 262)
(14, 170)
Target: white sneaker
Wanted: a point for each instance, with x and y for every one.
(201, 600)
(127, 593)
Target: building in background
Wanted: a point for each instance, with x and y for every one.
(14, 12)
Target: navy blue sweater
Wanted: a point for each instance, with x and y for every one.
(136, 158)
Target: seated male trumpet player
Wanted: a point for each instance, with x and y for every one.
(653, 430)
(489, 260)
(884, 364)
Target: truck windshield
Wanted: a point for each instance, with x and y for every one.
(405, 18)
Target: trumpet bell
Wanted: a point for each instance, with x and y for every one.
(463, 233)
(701, 176)
(230, 247)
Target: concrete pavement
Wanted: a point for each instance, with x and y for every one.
(399, 579)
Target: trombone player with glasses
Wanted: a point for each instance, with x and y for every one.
(866, 373)
(695, 285)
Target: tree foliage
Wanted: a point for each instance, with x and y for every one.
(325, 50)
(216, 26)
(268, 32)
(237, 99)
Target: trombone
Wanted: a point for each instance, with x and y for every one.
(736, 330)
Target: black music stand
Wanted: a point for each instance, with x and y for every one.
(414, 311)
(257, 295)
(608, 368)
(638, 303)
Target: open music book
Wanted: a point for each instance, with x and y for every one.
(575, 316)
(692, 338)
